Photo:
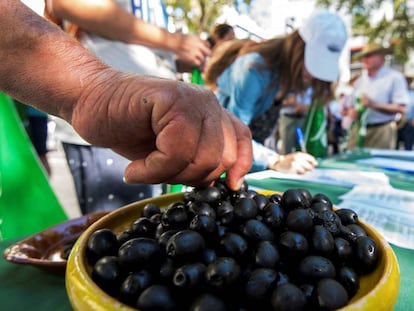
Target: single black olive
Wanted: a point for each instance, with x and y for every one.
(299, 220)
(190, 276)
(149, 210)
(175, 216)
(330, 221)
(347, 216)
(260, 284)
(255, 230)
(156, 298)
(141, 253)
(134, 285)
(108, 274)
(288, 297)
(210, 195)
(357, 230)
(293, 199)
(102, 242)
(307, 197)
(266, 255)
(293, 244)
(208, 255)
(275, 198)
(201, 208)
(331, 294)
(366, 253)
(245, 209)
(261, 200)
(320, 197)
(313, 268)
(349, 279)
(143, 227)
(343, 250)
(322, 241)
(233, 245)
(185, 245)
(225, 213)
(274, 216)
(223, 273)
(165, 236)
(205, 225)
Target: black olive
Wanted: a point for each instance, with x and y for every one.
(190, 276)
(210, 195)
(349, 279)
(261, 201)
(167, 270)
(108, 274)
(320, 197)
(208, 255)
(156, 298)
(322, 241)
(288, 297)
(245, 209)
(293, 199)
(255, 230)
(223, 273)
(102, 242)
(141, 253)
(366, 253)
(293, 244)
(313, 268)
(201, 208)
(165, 236)
(185, 245)
(274, 216)
(331, 294)
(320, 206)
(208, 302)
(233, 245)
(205, 225)
(149, 210)
(330, 221)
(347, 216)
(357, 230)
(225, 213)
(307, 197)
(134, 285)
(260, 284)
(175, 216)
(343, 250)
(299, 220)
(275, 198)
(266, 255)
(143, 227)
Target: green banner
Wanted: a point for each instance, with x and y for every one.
(28, 204)
(316, 139)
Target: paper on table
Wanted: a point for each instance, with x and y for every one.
(338, 177)
(389, 164)
(388, 210)
(403, 154)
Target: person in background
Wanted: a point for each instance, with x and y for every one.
(164, 127)
(130, 36)
(405, 133)
(220, 33)
(382, 95)
(292, 115)
(273, 68)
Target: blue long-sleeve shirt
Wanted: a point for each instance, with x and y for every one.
(243, 89)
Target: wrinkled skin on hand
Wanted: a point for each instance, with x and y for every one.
(296, 162)
(172, 132)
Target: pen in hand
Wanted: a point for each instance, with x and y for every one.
(301, 140)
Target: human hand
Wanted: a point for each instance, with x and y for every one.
(191, 52)
(296, 162)
(173, 132)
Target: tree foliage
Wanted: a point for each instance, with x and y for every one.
(199, 15)
(398, 32)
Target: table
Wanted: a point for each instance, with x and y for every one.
(30, 288)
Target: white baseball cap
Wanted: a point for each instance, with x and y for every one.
(325, 36)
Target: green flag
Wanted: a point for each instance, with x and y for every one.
(28, 204)
(316, 139)
(361, 122)
(196, 77)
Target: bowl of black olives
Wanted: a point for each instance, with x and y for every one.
(217, 249)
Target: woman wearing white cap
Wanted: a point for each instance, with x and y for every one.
(273, 68)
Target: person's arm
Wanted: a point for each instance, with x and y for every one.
(173, 132)
(107, 19)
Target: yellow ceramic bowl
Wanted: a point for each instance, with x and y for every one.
(378, 290)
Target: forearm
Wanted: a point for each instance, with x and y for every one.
(386, 107)
(40, 65)
(107, 19)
